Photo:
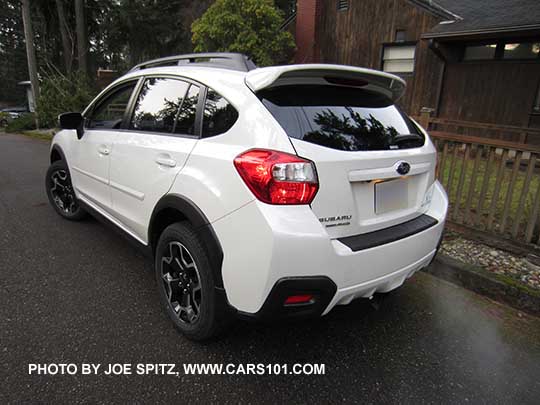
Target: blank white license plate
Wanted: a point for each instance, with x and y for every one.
(391, 195)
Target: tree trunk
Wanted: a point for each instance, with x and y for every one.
(30, 51)
(82, 41)
(66, 43)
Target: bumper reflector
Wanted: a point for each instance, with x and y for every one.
(299, 299)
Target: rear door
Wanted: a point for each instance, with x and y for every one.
(152, 148)
(375, 166)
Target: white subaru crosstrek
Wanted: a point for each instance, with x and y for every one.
(265, 193)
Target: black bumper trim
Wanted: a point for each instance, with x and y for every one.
(322, 288)
(387, 235)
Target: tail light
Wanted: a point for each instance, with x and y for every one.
(277, 177)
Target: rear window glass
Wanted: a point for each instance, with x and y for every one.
(342, 118)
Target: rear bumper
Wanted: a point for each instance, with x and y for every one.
(264, 244)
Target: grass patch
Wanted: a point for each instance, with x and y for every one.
(45, 134)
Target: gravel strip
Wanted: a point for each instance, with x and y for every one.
(494, 260)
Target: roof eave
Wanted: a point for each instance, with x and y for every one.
(480, 31)
(436, 9)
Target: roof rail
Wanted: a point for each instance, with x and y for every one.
(225, 60)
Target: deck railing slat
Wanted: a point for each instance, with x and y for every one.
(472, 184)
(510, 191)
(495, 197)
(491, 176)
(533, 219)
(485, 185)
(464, 163)
(523, 197)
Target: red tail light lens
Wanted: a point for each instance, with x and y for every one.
(277, 177)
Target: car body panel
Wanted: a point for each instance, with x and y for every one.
(385, 83)
(262, 243)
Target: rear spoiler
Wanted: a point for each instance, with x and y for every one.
(387, 84)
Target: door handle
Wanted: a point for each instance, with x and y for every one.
(104, 150)
(165, 161)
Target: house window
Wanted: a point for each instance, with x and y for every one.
(536, 106)
(480, 52)
(524, 50)
(343, 5)
(398, 58)
(400, 36)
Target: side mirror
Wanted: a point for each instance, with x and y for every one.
(72, 120)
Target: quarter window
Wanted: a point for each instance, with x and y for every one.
(158, 104)
(109, 113)
(219, 114)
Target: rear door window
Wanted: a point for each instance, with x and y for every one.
(343, 118)
(158, 105)
(185, 120)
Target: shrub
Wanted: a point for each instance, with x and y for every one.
(251, 27)
(62, 93)
(25, 122)
(4, 118)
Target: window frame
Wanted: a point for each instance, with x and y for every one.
(139, 81)
(498, 56)
(103, 97)
(132, 102)
(131, 107)
(399, 44)
(202, 112)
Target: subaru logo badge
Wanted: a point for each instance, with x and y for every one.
(403, 168)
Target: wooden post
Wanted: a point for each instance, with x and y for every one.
(82, 41)
(425, 116)
(66, 44)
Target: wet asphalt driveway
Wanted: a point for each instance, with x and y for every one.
(79, 293)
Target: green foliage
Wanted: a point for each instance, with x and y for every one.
(251, 27)
(25, 122)
(13, 67)
(134, 31)
(4, 117)
(62, 93)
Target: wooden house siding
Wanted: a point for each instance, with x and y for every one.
(501, 92)
(356, 37)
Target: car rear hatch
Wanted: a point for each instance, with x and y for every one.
(375, 165)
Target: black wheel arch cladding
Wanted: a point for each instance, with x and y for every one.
(192, 213)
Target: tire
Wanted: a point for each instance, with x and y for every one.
(186, 283)
(60, 192)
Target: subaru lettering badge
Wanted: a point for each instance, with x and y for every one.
(403, 168)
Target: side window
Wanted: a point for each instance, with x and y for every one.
(185, 121)
(158, 104)
(219, 115)
(109, 112)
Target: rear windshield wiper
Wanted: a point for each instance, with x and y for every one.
(402, 138)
